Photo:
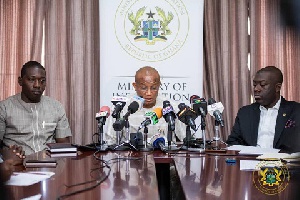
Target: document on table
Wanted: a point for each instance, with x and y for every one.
(252, 150)
(279, 155)
(294, 157)
(28, 178)
(35, 197)
(254, 165)
(249, 164)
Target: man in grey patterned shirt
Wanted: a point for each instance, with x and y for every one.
(29, 119)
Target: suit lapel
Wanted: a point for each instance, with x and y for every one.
(283, 115)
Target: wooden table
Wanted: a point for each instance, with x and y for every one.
(146, 175)
(132, 176)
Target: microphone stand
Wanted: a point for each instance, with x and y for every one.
(102, 146)
(118, 127)
(203, 124)
(127, 141)
(188, 137)
(170, 133)
(217, 138)
(146, 147)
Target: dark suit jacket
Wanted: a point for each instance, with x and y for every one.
(287, 135)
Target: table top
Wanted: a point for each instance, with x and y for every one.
(132, 175)
(211, 177)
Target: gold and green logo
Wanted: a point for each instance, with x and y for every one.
(271, 178)
(151, 30)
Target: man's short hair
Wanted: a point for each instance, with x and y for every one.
(276, 71)
(31, 64)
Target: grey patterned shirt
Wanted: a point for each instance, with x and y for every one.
(32, 125)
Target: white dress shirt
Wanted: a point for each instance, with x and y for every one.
(266, 127)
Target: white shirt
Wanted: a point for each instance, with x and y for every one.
(267, 124)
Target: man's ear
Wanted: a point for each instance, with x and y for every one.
(278, 87)
(134, 85)
(20, 81)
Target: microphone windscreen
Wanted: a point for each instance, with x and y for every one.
(156, 142)
(181, 106)
(158, 112)
(133, 107)
(117, 99)
(193, 97)
(211, 101)
(139, 100)
(105, 109)
(166, 103)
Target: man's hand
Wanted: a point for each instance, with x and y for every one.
(14, 153)
(6, 169)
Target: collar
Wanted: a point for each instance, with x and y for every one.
(277, 105)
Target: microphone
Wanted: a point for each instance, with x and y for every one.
(132, 108)
(119, 103)
(169, 115)
(103, 114)
(158, 142)
(151, 118)
(215, 110)
(187, 115)
(139, 100)
(194, 97)
(199, 105)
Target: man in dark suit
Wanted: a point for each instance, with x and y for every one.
(270, 122)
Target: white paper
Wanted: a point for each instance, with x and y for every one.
(248, 164)
(28, 178)
(35, 197)
(255, 165)
(279, 156)
(252, 150)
